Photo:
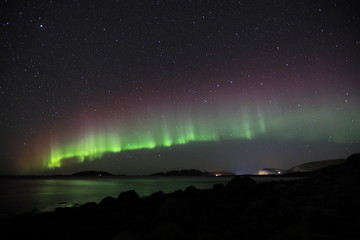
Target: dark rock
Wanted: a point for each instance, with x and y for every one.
(290, 233)
(157, 194)
(126, 236)
(88, 205)
(108, 201)
(353, 160)
(127, 196)
(168, 230)
(241, 185)
(178, 193)
(316, 221)
(172, 208)
(196, 222)
(191, 191)
(155, 199)
(297, 233)
(208, 236)
(219, 187)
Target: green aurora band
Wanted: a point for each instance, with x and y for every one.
(164, 131)
(94, 144)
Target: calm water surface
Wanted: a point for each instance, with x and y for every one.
(24, 195)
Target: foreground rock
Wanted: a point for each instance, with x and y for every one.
(325, 206)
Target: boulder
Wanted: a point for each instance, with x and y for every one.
(168, 230)
(88, 205)
(172, 208)
(108, 201)
(126, 236)
(208, 236)
(219, 187)
(353, 160)
(157, 194)
(127, 196)
(191, 191)
(241, 185)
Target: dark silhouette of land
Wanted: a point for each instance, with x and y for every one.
(183, 172)
(324, 205)
(92, 174)
(313, 166)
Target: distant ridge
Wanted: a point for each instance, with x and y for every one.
(222, 173)
(92, 174)
(312, 166)
(182, 172)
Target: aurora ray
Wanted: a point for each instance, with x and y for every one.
(167, 130)
(92, 145)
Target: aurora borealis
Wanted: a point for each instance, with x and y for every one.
(140, 86)
(164, 132)
(161, 133)
(184, 125)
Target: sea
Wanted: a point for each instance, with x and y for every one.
(42, 195)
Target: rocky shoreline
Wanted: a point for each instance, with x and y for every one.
(324, 206)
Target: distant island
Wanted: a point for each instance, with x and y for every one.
(193, 172)
(95, 174)
(183, 172)
(305, 169)
(92, 174)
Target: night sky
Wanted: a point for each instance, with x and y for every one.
(138, 87)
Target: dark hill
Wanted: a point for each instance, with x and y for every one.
(92, 174)
(312, 166)
(183, 172)
(350, 166)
